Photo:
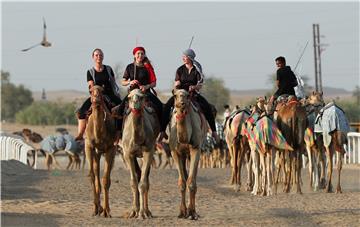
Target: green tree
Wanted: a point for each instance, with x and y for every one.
(13, 98)
(216, 93)
(48, 113)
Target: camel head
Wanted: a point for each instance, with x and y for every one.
(316, 99)
(182, 101)
(136, 101)
(96, 95)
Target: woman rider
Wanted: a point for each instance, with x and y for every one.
(140, 74)
(101, 75)
(189, 76)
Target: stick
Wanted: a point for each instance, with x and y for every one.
(301, 55)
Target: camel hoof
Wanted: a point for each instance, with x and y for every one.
(237, 187)
(192, 215)
(249, 188)
(182, 214)
(107, 213)
(132, 214)
(98, 211)
(329, 189)
(338, 190)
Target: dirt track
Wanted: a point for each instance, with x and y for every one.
(63, 198)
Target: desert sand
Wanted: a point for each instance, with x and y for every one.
(64, 198)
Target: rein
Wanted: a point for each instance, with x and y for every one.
(181, 116)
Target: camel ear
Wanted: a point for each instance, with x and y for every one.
(313, 92)
(322, 93)
(265, 98)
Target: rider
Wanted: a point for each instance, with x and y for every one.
(189, 76)
(285, 79)
(140, 74)
(101, 75)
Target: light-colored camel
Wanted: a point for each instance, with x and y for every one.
(99, 140)
(333, 126)
(292, 122)
(238, 146)
(314, 144)
(263, 136)
(141, 128)
(188, 129)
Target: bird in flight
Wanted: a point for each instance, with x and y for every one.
(44, 41)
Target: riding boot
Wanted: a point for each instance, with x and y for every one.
(81, 129)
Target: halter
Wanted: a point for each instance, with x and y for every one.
(102, 106)
(181, 116)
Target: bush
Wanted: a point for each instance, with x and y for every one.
(48, 113)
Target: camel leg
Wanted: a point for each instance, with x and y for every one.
(57, 165)
(340, 156)
(144, 185)
(288, 160)
(70, 162)
(232, 164)
(310, 163)
(106, 180)
(256, 165)
(277, 170)
(269, 172)
(298, 166)
(240, 153)
(315, 168)
(97, 183)
(180, 161)
(134, 179)
(263, 174)
(321, 162)
(48, 161)
(191, 183)
(329, 157)
(236, 166)
(249, 183)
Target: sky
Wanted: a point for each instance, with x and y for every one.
(236, 41)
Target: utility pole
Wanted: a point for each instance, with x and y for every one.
(317, 58)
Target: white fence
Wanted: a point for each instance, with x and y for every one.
(14, 147)
(352, 155)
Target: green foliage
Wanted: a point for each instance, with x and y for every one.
(13, 98)
(216, 93)
(48, 113)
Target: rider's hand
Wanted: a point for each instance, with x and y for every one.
(134, 82)
(192, 88)
(143, 88)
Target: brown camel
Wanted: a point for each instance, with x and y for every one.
(333, 125)
(99, 140)
(188, 129)
(141, 128)
(292, 122)
(238, 149)
(314, 143)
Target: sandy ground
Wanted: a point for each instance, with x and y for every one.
(63, 198)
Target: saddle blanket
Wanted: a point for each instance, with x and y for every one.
(52, 144)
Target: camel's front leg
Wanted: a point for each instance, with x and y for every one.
(96, 171)
(180, 162)
(263, 173)
(191, 182)
(144, 185)
(340, 156)
(329, 160)
(269, 172)
(311, 166)
(57, 165)
(106, 180)
(298, 166)
(255, 166)
(134, 212)
(70, 162)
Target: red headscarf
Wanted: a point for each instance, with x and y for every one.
(136, 49)
(147, 65)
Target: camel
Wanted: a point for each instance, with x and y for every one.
(292, 122)
(99, 140)
(141, 128)
(163, 149)
(313, 142)
(188, 129)
(238, 146)
(333, 125)
(263, 136)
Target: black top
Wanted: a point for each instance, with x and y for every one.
(287, 81)
(142, 75)
(187, 79)
(102, 79)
